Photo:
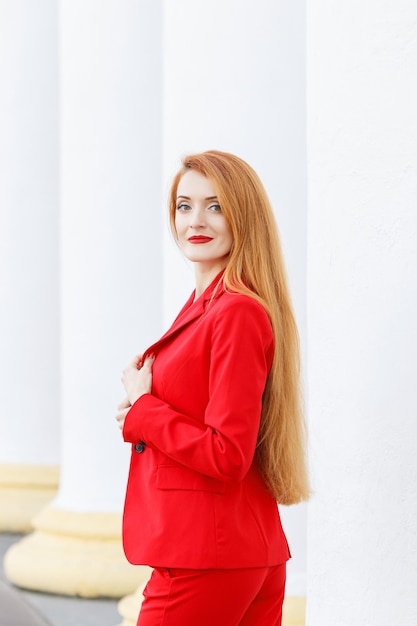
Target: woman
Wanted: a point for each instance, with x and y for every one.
(212, 411)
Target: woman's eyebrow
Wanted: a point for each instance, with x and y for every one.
(188, 198)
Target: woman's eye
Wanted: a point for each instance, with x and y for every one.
(215, 208)
(183, 207)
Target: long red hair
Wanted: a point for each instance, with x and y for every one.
(256, 268)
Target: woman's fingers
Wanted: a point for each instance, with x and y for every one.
(135, 362)
(121, 416)
(124, 404)
(137, 380)
(148, 362)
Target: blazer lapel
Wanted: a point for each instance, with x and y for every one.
(190, 311)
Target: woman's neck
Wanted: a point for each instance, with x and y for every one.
(204, 276)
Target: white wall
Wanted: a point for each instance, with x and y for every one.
(362, 287)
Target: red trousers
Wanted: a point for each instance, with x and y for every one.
(210, 597)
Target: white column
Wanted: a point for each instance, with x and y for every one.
(235, 81)
(362, 285)
(29, 267)
(111, 283)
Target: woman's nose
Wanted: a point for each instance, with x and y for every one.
(197, 218)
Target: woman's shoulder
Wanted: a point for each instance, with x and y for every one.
(239, 304)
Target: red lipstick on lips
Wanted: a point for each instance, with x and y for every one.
(199, 239)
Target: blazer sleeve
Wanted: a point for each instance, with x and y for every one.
(222, 446)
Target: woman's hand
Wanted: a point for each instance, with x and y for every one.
(122, 411)
(137, 381)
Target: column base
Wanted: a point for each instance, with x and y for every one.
(24, 491)
(129, 606)
(73, 553)
(293, 613)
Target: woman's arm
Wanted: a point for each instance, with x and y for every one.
(223, 446)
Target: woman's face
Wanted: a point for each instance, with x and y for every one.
(202, 231)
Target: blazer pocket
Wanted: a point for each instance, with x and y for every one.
(182, 478)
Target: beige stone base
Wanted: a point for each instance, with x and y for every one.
(293, 611)
(129, 606)
(74, 554)
(24, 491)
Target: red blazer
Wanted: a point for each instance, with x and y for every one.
(195, 497)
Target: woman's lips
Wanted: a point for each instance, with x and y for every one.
(199, 239)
